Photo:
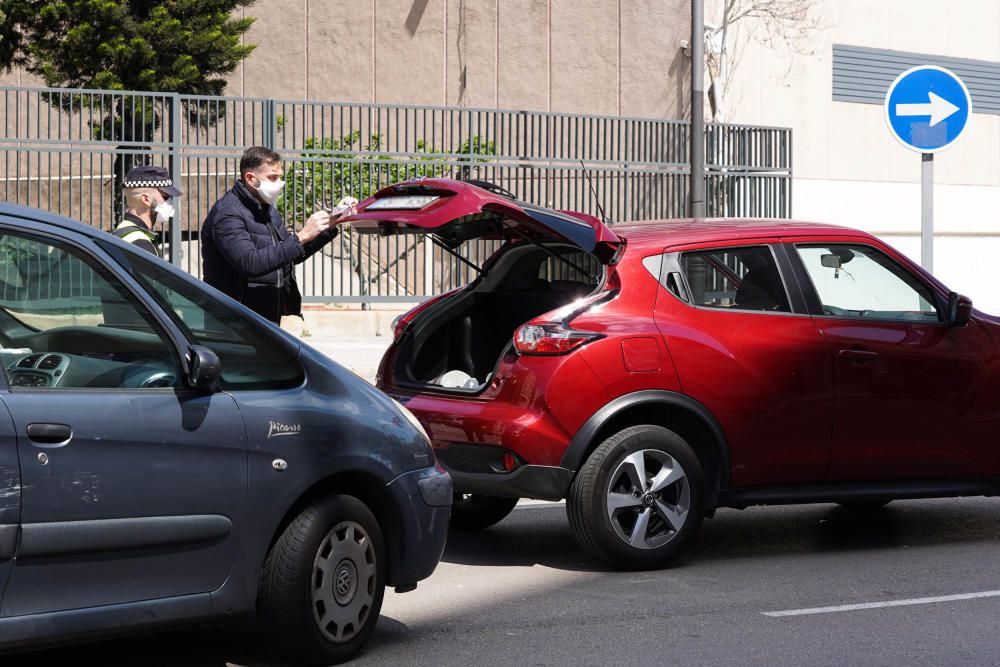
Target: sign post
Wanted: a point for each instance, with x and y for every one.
(927, 108)
(927, 211)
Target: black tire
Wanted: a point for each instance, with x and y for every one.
(470, 511)
(600, 530)
(327, 566)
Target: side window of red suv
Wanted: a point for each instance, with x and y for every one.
(742, 278)
(860, 281)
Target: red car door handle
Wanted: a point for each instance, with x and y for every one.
(859, 356)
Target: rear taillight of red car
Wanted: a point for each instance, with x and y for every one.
(549, 339)
(554, 335)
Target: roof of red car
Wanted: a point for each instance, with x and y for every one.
(681, 231)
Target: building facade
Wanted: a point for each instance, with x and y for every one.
(611, 57)
(617, 57)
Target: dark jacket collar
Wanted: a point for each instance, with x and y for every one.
(248, 198)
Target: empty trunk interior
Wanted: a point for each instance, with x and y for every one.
(471, 330)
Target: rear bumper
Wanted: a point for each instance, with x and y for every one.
(529, 432)
(528, 481)
(423, 498)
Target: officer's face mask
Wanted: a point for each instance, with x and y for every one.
(268, 190)
(164, 211)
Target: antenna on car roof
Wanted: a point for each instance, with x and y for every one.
(600, 209)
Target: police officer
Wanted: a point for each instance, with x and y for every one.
(148, 190)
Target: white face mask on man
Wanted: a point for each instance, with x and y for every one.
(164, 211)
(269, 190)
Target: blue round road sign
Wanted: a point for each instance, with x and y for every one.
(927, 108)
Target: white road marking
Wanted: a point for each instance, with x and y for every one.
(880, 605)
(532, 504)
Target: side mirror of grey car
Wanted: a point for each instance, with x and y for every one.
(959, 310)
(204, 368)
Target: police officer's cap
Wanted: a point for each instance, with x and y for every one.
(151, 176)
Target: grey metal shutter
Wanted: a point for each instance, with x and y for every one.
(861, 74)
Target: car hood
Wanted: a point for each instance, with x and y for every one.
(456, 212)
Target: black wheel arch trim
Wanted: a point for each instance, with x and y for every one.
(583, 440)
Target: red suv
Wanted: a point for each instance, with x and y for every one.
(654, 372)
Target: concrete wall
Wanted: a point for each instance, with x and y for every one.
(850, 171)
(617, 57)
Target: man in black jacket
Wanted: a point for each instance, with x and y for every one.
(246, 249)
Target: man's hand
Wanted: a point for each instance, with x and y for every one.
(348, 206)
(317, 223)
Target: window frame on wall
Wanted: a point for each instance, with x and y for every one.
(861, 75)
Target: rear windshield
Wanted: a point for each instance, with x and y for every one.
(579, 266)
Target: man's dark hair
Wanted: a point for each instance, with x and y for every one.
(255, 156)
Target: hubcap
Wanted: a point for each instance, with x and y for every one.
(347, 579)
(344, 582)
(648, 499)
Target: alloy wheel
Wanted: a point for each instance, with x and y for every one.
(648, 498)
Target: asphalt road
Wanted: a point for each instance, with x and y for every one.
(523, 594)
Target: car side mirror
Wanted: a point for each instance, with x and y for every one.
(959, 310)
(204, 369)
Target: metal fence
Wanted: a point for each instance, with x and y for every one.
(66, 150)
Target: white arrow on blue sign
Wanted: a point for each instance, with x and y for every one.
(927, 108)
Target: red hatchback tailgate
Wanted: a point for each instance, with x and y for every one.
(456, 211)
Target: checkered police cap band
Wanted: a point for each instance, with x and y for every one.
(162, 183)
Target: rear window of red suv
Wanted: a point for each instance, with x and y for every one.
(743, 278)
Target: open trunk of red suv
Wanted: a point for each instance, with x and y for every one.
(550, 259)
(458, 342)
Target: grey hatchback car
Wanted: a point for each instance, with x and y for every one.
(166, 456)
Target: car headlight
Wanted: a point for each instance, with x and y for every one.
(412, 419)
